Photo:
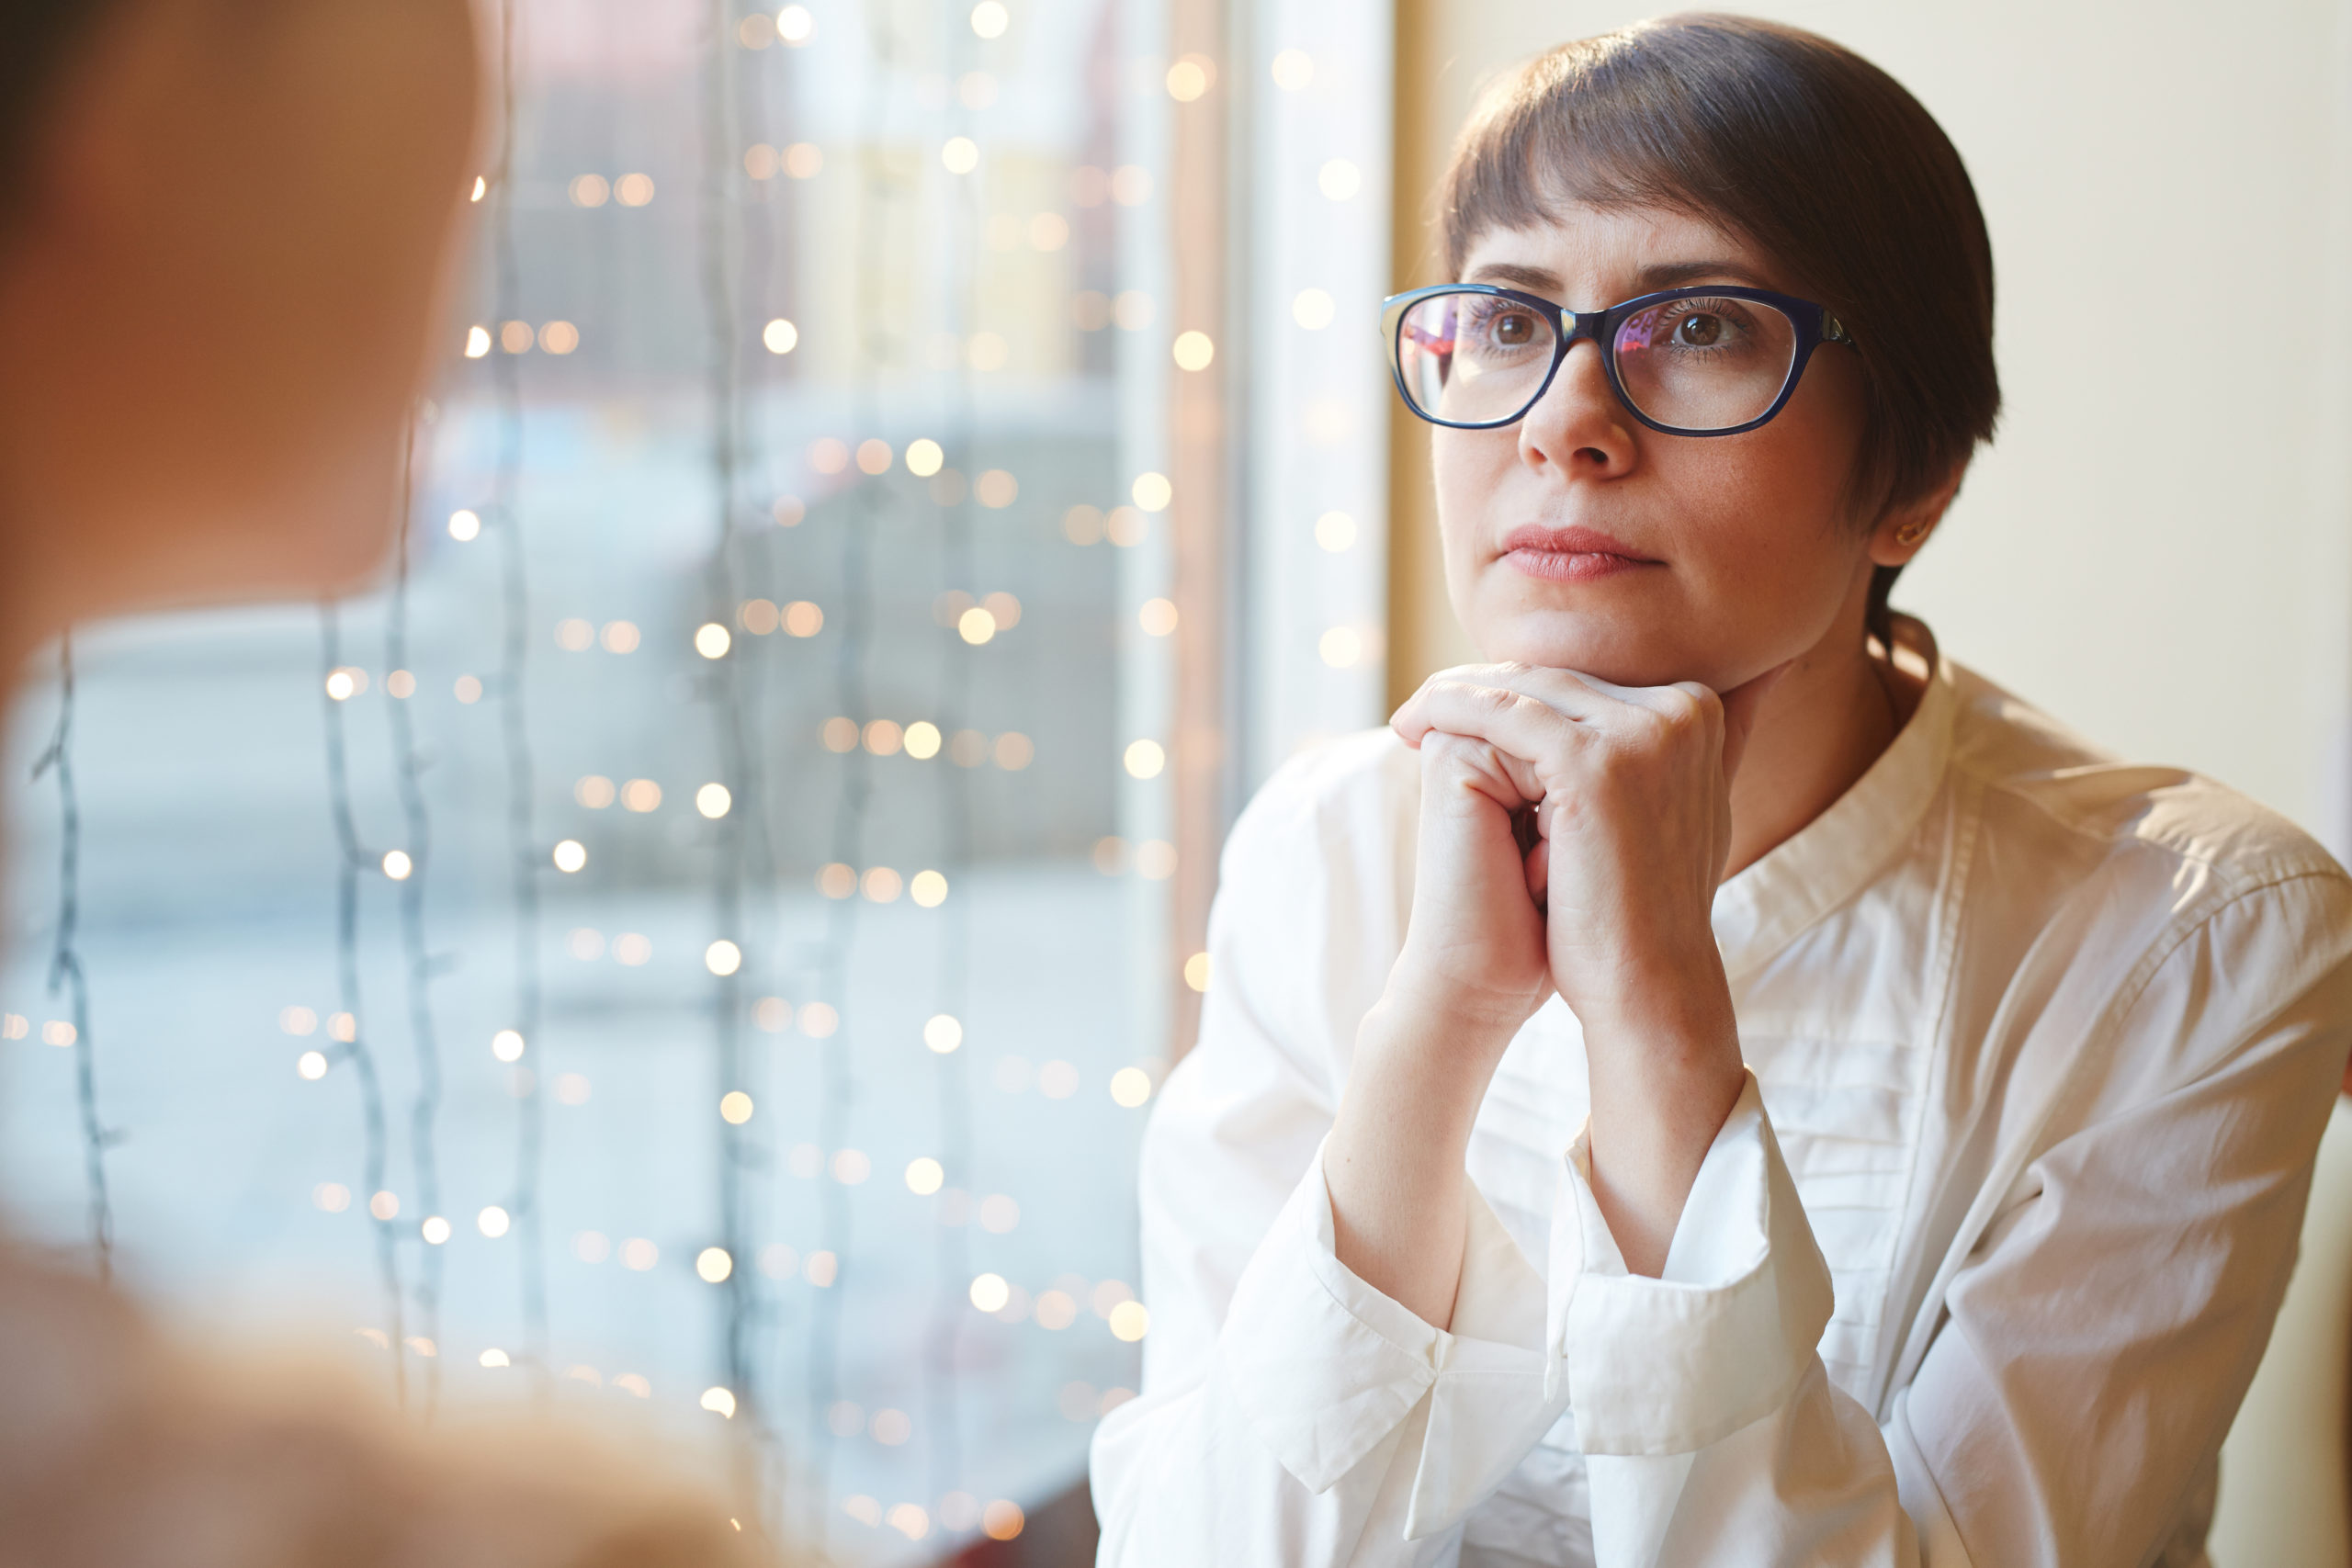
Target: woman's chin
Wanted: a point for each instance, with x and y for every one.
(1622, 655)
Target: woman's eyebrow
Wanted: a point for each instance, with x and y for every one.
(1674, 274)
(1651, 279)
(1534, 279)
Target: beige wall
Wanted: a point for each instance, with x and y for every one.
(2158, 548)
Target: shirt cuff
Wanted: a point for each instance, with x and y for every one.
(1671, 1365)
(1325, 1368)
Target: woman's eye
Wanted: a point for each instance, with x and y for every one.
(1698, 330)
(1515, 329)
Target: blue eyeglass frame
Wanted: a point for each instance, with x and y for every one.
(1816, 324)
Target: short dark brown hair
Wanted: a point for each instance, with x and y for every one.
(1809, 151)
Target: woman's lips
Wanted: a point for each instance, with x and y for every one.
(1572, 555)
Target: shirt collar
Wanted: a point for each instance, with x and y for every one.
(1831, 858)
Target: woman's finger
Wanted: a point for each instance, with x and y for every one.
(1522, 727)
(1567, 692)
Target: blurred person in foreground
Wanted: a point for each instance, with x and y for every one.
(226, 227)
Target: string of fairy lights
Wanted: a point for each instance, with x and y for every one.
(418, 967)
(345, 1029)
(877, 187)
(952, 1263)
(742, 844)
(65, 962)
(523, 848)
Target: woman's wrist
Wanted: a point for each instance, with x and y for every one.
(1394, 1164)
(1663, 1079)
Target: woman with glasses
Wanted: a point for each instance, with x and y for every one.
(1720, 1083)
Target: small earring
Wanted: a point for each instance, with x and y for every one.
(1911, 534)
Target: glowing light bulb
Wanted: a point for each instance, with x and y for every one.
(477, 342)
(570, 855)
(1341, 647)
(989, 1292)
(944, 1032)
(1145, 759)
(1130, 1320)
(494, 1357)
(712, 640)
(925, 1177)
(507, 1045)
(976, 625)
(989, 18)
(1196, 971)
(1152, 492)
(924, 458)
(780, 335)
(713, 801)
(1190, 77)
(795, 25)
(735, 1107)
(493, 1222)
(961, 155)
(928, 889)
(719, 1402)
(397, 865)
(311, 1064)
(1194, 351)
(1130, 1087)
(436, 1231)
(722, 957)
(713, 1264)
(481, 188)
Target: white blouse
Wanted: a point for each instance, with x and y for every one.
(2041, 1048)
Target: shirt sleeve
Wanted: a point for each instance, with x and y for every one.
(2095, 1339)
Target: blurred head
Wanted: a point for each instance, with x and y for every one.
(228, 224)
(1714, 150)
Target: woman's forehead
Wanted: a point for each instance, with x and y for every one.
(1586, 256)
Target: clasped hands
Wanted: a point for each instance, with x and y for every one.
(1572, 836)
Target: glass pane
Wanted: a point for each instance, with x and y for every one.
(1471, 358)
(754, 787)
(1705, 364)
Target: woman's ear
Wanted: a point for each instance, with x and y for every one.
(1902, 531)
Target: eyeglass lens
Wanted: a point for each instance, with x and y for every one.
(1699, 364)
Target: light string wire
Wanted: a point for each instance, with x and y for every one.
(425, 1041)
(742, 840)
(65, 962)
(350, 861)
(840, 1087)
(950, 1076)
(522, 844)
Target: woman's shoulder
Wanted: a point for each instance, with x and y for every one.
(2060, 784)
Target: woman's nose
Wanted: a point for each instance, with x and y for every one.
(1577, 426)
